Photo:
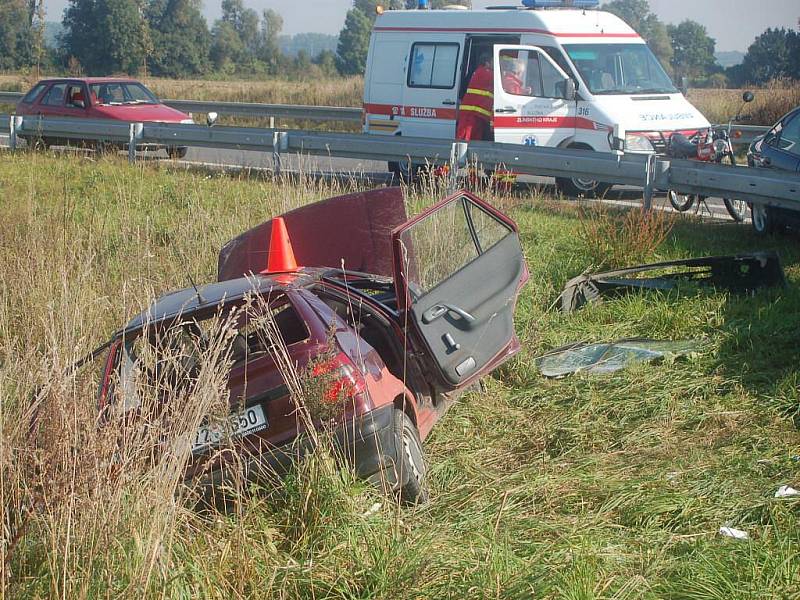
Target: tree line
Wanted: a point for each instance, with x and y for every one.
(171, 38)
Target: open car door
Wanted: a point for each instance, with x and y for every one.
(458, 269)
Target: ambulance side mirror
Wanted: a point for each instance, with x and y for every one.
(570, 89)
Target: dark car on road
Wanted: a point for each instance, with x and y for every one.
(119, 99)
(402, 314)
(779, 148)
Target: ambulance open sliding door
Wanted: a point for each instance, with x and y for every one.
(530, 98)
(430, 97)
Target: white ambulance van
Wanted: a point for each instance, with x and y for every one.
(584, 71)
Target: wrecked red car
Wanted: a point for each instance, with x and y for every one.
(407, 313)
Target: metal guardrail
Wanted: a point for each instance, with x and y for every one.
(289, 111)
(10, 97)
(684, 176)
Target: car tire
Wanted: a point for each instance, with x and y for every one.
(764, 220)
(38, 144)
(177, 152)
(576, 187)
(410, 469)
(579, 188)
(103, 148)
(682, 202)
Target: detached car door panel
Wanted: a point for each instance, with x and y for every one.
(458, 269)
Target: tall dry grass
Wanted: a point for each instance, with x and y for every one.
(771, 102)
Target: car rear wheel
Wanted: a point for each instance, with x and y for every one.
(38, 144)
(764, 220)
(578, 187)
(410, 468)
(681, 202)
(177, 152)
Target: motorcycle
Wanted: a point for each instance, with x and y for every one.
(709, 146)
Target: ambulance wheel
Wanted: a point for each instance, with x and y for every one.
(575, 187)
(403, 171)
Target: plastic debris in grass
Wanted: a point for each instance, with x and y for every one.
(607, 357)
(743, 273)
(734, 533)
(786, 491)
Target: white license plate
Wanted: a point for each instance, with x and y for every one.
(250, 420)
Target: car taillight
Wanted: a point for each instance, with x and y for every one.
(340, 378)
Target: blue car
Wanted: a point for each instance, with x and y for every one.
(779, 148)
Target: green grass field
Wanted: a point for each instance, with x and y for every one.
(587, 487)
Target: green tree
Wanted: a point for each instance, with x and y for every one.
(107, 36)
(693, 50)
(775, 54)
(270, 46)
(636, 13)
(181, 40)
(351, 53)
(16, 49)
(326, 61)
(226, 48)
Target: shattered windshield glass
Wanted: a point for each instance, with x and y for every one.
(613, 356)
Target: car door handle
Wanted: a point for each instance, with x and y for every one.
(507, 109)
(449, 102)
(438, 310)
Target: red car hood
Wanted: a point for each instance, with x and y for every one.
(159, 113)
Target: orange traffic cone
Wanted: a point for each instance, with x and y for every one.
(280, 256)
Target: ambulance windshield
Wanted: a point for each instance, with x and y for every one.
(620, 69)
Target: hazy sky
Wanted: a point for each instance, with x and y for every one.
(732, 23)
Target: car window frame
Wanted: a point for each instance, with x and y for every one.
(54, 85)
(791, 119)
(44, 85)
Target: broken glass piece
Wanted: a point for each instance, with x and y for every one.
(612, 356)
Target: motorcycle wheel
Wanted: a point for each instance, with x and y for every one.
(737, 209)
(681, 202)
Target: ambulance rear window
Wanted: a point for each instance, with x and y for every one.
(433, 65)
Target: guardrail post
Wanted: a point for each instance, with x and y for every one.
(458, 159)
(647, 198)
(14, 124)
(135, 134)
(280, 143)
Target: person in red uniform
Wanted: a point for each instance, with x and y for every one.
(477, 105)
(513, 73)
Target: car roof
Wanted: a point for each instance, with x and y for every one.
(191, 300)
(89, 80)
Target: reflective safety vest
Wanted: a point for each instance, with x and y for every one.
(479, 99)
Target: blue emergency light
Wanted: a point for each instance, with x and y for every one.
(423, 5)
(561, 3)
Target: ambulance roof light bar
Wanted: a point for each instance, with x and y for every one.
(561, 3)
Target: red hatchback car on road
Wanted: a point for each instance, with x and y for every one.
(99, 98)
(406, 313)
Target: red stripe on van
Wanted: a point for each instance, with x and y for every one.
(415, 112)
(505, 30)
(544, 122)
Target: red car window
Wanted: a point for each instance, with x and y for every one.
(31, 96)
(55, 95)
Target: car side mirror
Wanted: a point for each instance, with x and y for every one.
(211, 119)
(570, 89)
(748, 96)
